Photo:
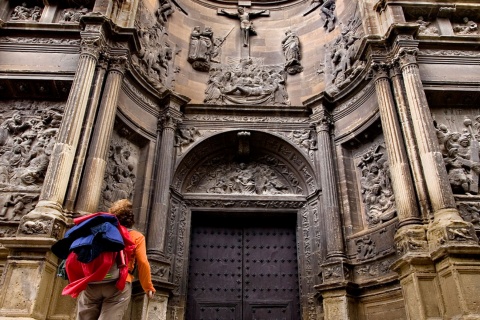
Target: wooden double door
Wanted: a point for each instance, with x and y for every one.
(243, 267)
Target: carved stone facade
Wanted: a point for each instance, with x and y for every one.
(353, 125)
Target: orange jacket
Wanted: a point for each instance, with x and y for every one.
(139, 257)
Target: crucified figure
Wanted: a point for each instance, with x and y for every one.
(246, 26)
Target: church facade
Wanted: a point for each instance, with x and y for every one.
(286, 159)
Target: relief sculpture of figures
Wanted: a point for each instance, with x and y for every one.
(201, 48)
(466, 27)
(376, 187)
(327, 12)
(246, 26)
(291, 51)
(24, 13)
(247, 83)
(461, 156)
(73, 15)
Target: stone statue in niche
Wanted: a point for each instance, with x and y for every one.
(461, 155)
(224, 176)
(120, 173)
(291, 51)
(246, 25)
(466, 27)
(340, 67)
(426, 27)
(247, 82)
(73, 15)
(24, 13)
(201, 48)
(375, 187)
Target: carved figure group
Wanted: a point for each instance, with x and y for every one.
(155, 56)
(343, 52)
(376, 188)
(291, 51)
(201, 48)
(461, 156)
(73, 15)
(24, 13)
(247, 83)
(466, 27)
(426, 27)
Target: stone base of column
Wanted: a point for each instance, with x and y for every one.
(143, 308)
(28, 279)
(335, 291)
(458, 269)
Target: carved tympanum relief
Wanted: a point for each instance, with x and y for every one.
(121, 171)
(155, 58)
(375, 185)
(24, 12)
(247, 81)
(265, 175)
(27, 135)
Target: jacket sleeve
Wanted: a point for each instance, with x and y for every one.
(142, 262)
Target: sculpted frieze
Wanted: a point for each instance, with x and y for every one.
(465, 27)
(247, 81)
(16, 205)
(252, 119)
(73, 42)
(365, 248)
(426, 27)
(121, 171)
(73, 15)
(470, 211)
(375, 186)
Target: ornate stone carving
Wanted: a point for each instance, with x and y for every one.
(25, 13)
(273, 204)
(165, 9)
(426, 27)
(334, 272)
(200, 48)
(461, 155)
(17, 205)
(220, 176)
(26, 141)
(327, 12)
(247, 82)
(246, 26)
(465, 27)
(304, 139)
(291, 51)
(185, 137)
(340, 68)
(73, 15)
(461, 234)
(365, 248)
(73, 42)
(35, 227)
(252, 119)
(375, 186)
(120, 173)
(470, 212)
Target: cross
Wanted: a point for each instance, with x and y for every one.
(246, 26)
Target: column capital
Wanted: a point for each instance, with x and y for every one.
(169, 119)
(380, 70)
(406, 57)
(118, 63)
(92, 45)
(321, 119)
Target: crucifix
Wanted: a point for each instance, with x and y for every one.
(246, 26)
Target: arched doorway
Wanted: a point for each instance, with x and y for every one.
(238, 228)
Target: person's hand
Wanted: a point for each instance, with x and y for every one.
(150, 294)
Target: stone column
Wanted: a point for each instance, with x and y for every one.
(29, 274)
(407, 128)
(452, 242)
(334, 273)
(86, 134)
(333, 223)
(402, 183)
(165, 158)
(91, 184)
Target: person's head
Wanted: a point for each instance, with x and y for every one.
(124, 212)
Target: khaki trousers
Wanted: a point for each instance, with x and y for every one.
(103, 301)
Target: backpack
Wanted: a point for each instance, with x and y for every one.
(95, 250)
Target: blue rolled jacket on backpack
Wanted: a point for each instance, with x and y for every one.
(90, 238)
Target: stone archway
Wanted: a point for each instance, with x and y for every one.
(249, 174)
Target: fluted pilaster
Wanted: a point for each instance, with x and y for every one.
(324, 122)
(402, 183)
(91, 186)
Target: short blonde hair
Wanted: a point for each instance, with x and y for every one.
(123, 209)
